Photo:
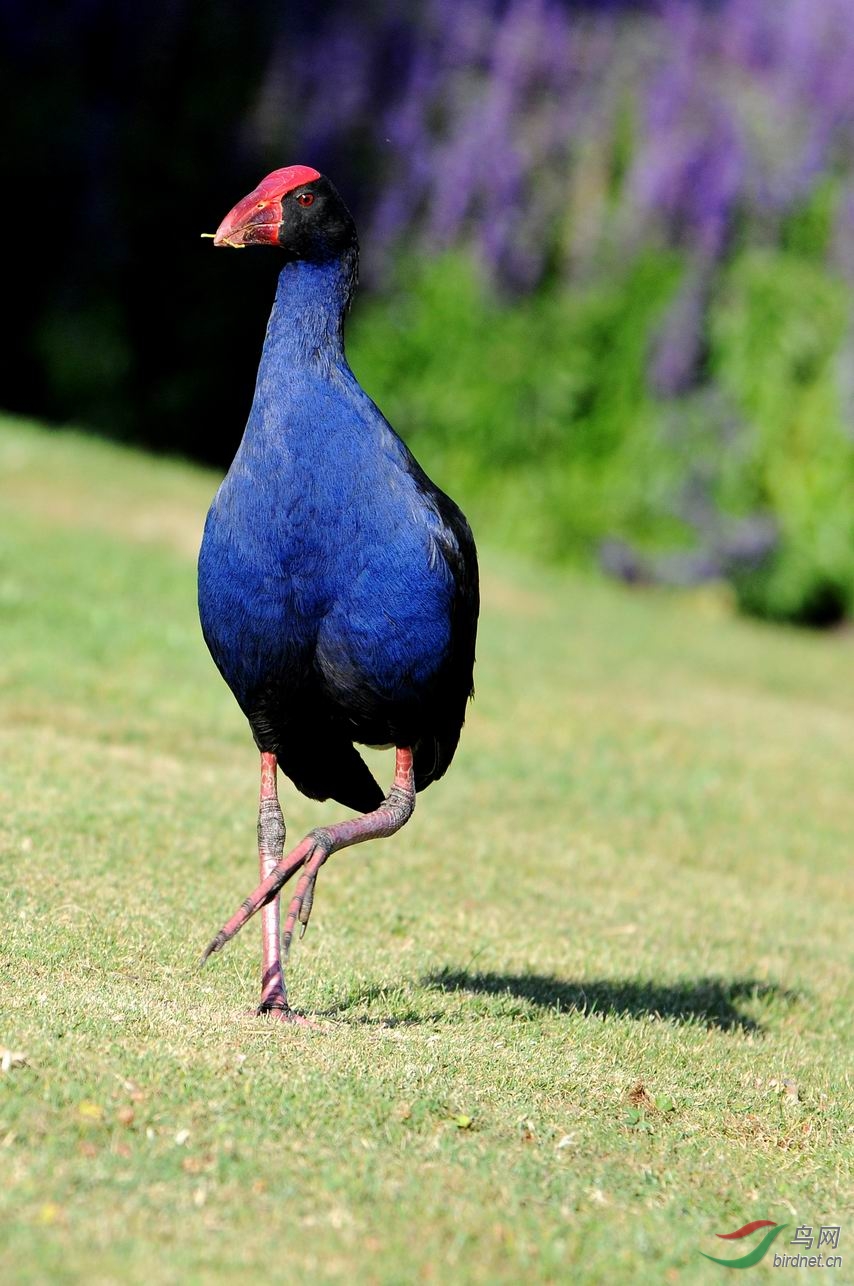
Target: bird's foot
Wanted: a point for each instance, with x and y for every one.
(281, 1012)
(313, 851)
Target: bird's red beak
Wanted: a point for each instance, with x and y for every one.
(255, 220)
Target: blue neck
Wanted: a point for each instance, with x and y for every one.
(306, 326)
(304, 344)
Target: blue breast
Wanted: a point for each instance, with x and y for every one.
(322, 554)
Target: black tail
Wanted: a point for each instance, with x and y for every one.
(323, 765)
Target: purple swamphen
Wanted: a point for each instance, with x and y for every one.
(338, 587)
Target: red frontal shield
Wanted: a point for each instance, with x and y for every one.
(255, 220)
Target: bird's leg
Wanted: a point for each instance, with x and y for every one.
(395, 810)
(271, 843)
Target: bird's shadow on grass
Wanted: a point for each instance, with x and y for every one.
(714, 1003)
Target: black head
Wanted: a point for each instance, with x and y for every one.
(316, 224)
(296, 209)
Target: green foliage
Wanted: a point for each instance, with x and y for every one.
(777, 330)
(539, 416)
(535, 414)
(808, 230)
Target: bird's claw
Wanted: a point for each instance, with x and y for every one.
(216, 944)
(303, 898)
(307, 903)
(299, 910)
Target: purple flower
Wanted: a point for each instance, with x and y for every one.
(545, 135)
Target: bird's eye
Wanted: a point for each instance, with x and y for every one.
(306, 199)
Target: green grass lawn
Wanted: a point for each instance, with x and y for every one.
(591, 1007)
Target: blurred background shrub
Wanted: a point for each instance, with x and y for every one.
(608, 253)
